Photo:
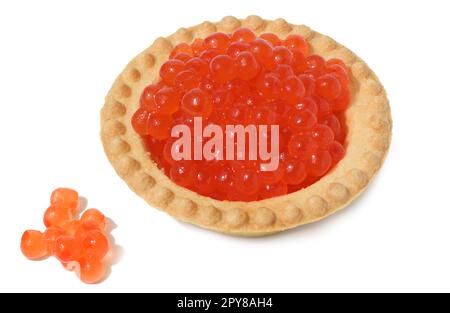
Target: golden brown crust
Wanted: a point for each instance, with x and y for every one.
(369, 124)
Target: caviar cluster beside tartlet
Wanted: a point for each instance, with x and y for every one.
(241, 78)
(79, 244)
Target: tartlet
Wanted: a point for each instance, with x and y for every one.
(368, 138)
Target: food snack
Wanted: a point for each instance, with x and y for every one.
(79, 244)
(333, 114)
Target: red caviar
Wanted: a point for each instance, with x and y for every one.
(241, 78)
(34, 245)
(72, 241)
(65, 197)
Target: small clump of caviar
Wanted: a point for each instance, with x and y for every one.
(79, 244)
(242, 78)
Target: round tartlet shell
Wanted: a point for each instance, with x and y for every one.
(369, 134)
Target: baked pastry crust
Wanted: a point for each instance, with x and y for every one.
(369, 135)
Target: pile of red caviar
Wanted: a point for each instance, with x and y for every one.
(79, 244)
(239, 78)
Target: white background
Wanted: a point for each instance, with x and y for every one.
(58, 60)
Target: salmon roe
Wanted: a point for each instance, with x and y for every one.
(80, 244)
(242, 78)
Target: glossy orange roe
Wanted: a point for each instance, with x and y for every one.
(241, 78)
(83, 242)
